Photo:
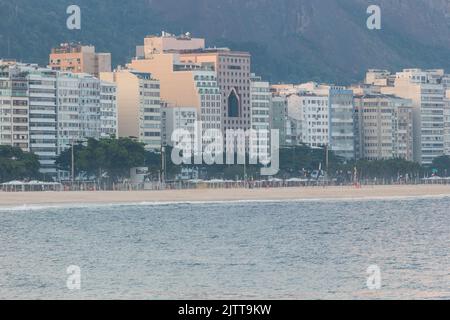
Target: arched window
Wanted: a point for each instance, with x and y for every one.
(233, 105)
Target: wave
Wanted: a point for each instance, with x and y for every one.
(40, 207)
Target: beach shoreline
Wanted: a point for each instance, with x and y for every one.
(8, 199)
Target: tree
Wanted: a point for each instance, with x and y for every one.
(296, 160)
(384, 169)
(109, 157)
(442, 165)
(64, 161)
(16, 164)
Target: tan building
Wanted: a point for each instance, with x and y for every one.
(167, 55)
(183, 85)
(233, 76)
(167, 42)
(380, 78)
(138, 105)
(77, 58)
(383, 127)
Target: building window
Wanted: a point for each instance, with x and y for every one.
(233, 105)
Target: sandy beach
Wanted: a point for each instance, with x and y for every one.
(201, 195)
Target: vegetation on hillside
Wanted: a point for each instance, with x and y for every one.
(290, 40)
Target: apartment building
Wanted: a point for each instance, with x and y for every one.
(427, 92)
(78, 58)
(86, 109)
(294, 118)
(308, 116)
(230, 68)
(90, 94)
(69, 127)
(261, 99)
(383, 127)
(42, 93)
(14, 111)
(177, 118)
(380, 78)
(45, 111)
(108, 110)
(320, 115)
(260, 103)
(341, 134)
(315, 125)
(188, 85)
(233, 78)
(279, 118)
(138, 105)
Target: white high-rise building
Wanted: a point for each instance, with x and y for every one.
(42, 116)
(260, 101)
(69, 111)
(205, 82)
(14, 111)
(315, 120)
(45, 111)
(90, 110)
(447, 124)
(321, 116)
(86, 109)
(177, 118)
(427, 92)
(108, 110)
(308, 113)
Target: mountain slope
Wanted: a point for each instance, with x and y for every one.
(291, 40)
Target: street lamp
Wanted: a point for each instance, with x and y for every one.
(72, 156)
(163, 164)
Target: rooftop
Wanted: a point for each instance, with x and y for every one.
(213, 50)
(72, 47)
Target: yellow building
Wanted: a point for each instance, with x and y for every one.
(188, 85)
(138, 105)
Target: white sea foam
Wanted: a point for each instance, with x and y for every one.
(50, 206)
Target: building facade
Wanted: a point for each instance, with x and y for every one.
(108, 110)
(42, 86)
(86, 109)
(138, 105)
(78, 58)
(14, 110)
(45, 111)
(177, 118)
(341, 134)
(427, 92)
(320, 116)
(233, 78)
(183, 85)
(447, 123)
(383, 127)
(279, 118)
(260, 99)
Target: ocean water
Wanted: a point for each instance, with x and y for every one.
(241, 250)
